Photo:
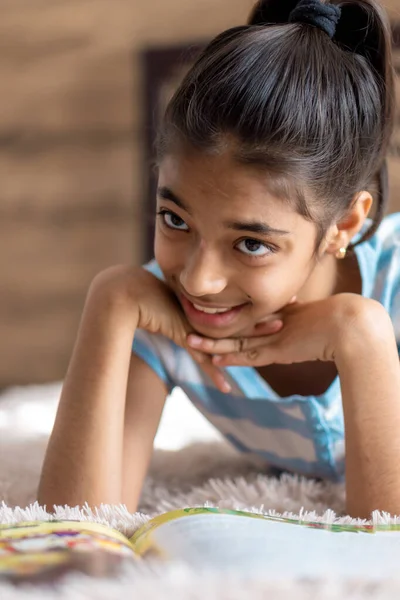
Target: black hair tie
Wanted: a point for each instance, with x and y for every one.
(313, 12)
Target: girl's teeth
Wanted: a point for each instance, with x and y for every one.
(211, 311)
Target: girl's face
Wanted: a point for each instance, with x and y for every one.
(226, 244)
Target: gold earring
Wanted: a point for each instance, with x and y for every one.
(341, 253)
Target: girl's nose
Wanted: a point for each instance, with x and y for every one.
(203, 274)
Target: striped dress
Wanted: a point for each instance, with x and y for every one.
(302, 434)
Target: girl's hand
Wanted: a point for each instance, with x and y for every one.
(158, 311)
(308, 332)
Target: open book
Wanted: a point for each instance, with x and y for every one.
(207, 538)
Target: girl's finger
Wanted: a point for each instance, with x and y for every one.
(211, 346)
(217, 377)
(265, 328)
(198, 356)
(215, 374)
(229, 345)
(253, 358)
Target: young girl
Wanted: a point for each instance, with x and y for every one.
(274, 302)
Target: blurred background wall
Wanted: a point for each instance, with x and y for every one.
(72, 142)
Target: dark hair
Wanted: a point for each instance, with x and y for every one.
(316, 113)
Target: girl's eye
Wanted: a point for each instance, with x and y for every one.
(254, 248)
(172, 220)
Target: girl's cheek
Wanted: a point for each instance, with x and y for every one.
(170, 253)
(165, 256)
(270, 300)
(261, 294)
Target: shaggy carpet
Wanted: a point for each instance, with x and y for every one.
(191, 466)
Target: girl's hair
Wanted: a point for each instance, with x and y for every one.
(315, 113)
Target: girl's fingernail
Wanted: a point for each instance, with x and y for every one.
(223, 385)
(195, 341)
(217, 359)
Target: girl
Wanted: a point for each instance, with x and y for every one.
(274, 301)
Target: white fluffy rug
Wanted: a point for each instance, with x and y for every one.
(191, 466)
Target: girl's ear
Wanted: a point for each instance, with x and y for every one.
(341, 233)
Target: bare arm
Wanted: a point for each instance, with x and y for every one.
(83, 462)
(111, 401)
(144, 405)
(368, 365)
(358, 335)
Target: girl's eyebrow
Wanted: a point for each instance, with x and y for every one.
(167, 194)
(253, 226)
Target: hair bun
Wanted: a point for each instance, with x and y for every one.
(313, 12)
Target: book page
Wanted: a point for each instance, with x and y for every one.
(41, 552)
(253, 546)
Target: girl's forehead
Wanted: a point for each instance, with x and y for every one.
(206, 163)
(201, 179)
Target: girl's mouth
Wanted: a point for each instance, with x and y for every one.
(211, 317)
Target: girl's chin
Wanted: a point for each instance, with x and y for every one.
(228, 332)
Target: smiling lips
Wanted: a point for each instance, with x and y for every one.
(211, 311)
(210, 316)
